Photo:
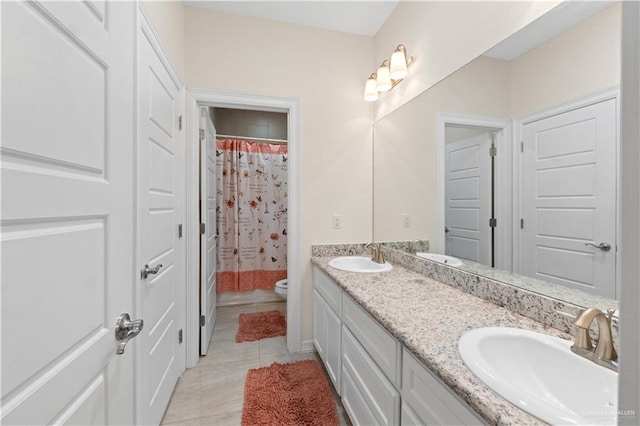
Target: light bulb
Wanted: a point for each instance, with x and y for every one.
(398, 69)
(370, 91)
(383, 80)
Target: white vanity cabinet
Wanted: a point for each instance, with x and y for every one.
(379, 381)
(427, 401)
(327, 305)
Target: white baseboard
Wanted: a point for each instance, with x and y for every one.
(307, 346)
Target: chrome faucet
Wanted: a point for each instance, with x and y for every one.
(376, 255)
(604, 353)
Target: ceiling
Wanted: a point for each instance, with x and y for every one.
(356, 17)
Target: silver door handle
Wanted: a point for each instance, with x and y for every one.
(146, 271)
(601, 246)
(126, 329)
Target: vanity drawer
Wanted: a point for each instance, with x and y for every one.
(379, 344)
(429, 399)
(329, 290)
(380, 395)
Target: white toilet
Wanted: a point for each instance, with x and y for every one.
(281, 289)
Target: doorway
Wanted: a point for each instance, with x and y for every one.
(197, 99)
(470, 218)
(474, 189)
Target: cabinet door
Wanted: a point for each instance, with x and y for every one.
(408, 417)
(380, 395)
(432, 401)
(319, 308)
(333, 346)
(354, 402)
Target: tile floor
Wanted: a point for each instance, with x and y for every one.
(212, 392)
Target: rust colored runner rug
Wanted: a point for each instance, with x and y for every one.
(288, 394)
(260, 325)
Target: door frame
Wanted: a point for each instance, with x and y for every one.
(503, 188)
(518, 124)
(197, 98)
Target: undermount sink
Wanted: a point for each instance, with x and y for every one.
(441, 258)
(539, 374)
(359, 264)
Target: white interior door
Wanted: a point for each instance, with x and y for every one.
(208, 239)
(161, 293)
(468, 198)
(569, 198)
(67, 213)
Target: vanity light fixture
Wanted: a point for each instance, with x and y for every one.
(389, 74)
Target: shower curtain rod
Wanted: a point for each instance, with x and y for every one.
(275, 141)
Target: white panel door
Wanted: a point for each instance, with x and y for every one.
(67, 213)
(161, 293)
(468, 199)
(569, 198)
(208, 240)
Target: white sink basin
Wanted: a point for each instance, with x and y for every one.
(441, 258)
(540, 375)
(359, 264)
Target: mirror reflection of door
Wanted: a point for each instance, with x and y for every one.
(569, 198)
(468, 193)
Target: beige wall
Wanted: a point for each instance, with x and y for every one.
(405, 157)
(582, 60)
(167, 18)
(444, 36)
(325, 70)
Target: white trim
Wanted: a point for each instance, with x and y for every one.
(154, 40)
(519, 123)
(201, 97)
(502, 181)
(307, 346)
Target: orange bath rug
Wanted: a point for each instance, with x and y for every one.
(288, 394)
(260, 325)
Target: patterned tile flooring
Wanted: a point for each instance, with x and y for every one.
(212, 392)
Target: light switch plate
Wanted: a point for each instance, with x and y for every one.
(337, 221)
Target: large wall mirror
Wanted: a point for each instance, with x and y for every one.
(510, 164)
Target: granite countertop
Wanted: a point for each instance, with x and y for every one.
(428, 318)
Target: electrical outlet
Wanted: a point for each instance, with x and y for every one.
(406, 221)
(337, 221)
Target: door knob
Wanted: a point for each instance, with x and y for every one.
(446, 230)
(601, 246)
(146, 271)
(126, 329)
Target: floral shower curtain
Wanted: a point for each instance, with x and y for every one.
(251, 214)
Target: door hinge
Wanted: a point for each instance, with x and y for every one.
(201, 320)
(522, 146)
(202, 228)
(493, 151)
(180, 336)
(201, 134)
(493, 222)
(180, 231)
(179, 122)
(521, 223)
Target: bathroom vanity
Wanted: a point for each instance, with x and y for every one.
(389, 342)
